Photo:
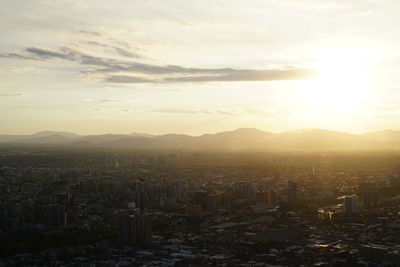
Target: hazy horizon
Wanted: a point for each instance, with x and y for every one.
(204, 133)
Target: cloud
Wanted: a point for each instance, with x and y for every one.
(21, 69)
(111, 70)
(225, 112)
(17, 55)
(90, 33)
(46, 53)
(217, 75)
(179, 111)
(11, 94)
(126, 53)
(127, 79)
(194, 111)
(257, 111)
(108, 101)
(125, 110)
(101, 100)
(206, 111)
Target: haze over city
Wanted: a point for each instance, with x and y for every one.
(249, 133)
(93, 67)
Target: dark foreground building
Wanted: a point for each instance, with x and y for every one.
(135, 228)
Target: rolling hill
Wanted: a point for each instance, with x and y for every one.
(240, 139)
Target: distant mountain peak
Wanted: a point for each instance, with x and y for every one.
(136, 134)
(49, 133)
(248, 130)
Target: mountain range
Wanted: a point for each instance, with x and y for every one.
(240, 139)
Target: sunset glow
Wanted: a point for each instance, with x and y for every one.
(341, 86)
(96, 66)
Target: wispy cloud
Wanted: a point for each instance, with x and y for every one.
(11, 94)
(112, 70)
(225, 112)
(90, 33)
(44, 53)
(121, 49)
(197, 111)
(125, 52)
(101, 100)
(19, 69)
(125, 110)
(177, 111)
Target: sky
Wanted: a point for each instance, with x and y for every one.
(193, 67)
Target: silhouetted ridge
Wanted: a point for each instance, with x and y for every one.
(239, 139)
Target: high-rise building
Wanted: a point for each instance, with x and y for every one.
(244, 190)
(271, 196)
(135, 228)
(370, 199)
(179, 185)
(54, 215)
(350, 204)
(200, 197)
(140, 186)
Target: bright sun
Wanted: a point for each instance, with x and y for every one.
(341, 86)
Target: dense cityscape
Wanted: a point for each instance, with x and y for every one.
(256, 133)
(71, 207)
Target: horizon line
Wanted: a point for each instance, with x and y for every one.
(204, 133)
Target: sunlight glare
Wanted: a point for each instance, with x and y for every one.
(342, 84)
